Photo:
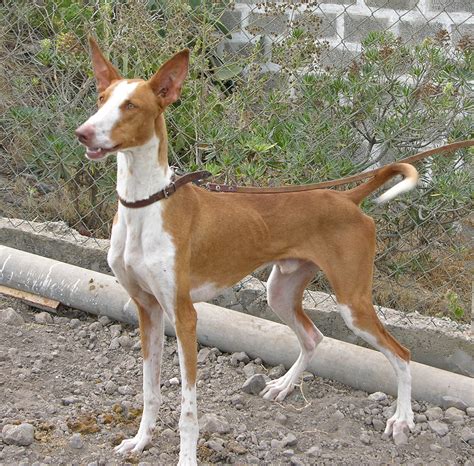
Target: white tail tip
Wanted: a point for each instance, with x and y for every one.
(404, 186)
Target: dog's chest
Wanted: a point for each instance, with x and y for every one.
(141, 251)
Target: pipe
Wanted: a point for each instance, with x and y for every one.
(230, 331)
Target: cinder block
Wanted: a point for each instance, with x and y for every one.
(416, 32)
(319, 24)
(463, 30)
(392, 4)
(239, 48)
(451, 5)
(267, 23)
(232, 20)
(356, 27)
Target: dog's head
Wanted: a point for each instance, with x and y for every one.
(128, 108)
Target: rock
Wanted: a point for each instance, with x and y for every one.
(251, 369)
(114, 344)
(104, 320)
(174, 381)
(467, 434)
(215, 444)
(436, 448)
(453, 402)
(470, 411)
(43, 318)
(377, 396)
(76, 441)
(213, 424)
(10, 317)
(439, 428)
(237, 358)
(125, 341)
(74, 323)
(289, 453)
(254, 384)
(126, 390)
(203, 355)
(110, 387)
(337, 416)
(276, 444)
(115, 330)
(281, 418)
(365, 439)
(236, 447)
(454, 415)
(378, 424)
(289, 440)
(434, 413)
(21, 435)
(314, 451)
(277, 371)
(419, 418)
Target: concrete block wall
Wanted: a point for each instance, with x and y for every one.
(344, 23)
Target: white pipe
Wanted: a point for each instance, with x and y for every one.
(228, 330)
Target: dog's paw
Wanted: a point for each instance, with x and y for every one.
(278, 389)
(399, 427)
(133, 445)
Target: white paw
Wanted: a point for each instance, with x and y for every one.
(278, 389)
(398, 427)
(133, 445)
(187, 460)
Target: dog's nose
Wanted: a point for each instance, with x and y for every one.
(85, 133)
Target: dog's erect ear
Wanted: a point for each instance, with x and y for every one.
(167, 81)
(104, 71)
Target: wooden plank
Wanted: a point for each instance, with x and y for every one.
(31, 299)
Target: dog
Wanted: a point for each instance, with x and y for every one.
(173, 246)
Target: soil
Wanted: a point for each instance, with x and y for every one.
(77, 380)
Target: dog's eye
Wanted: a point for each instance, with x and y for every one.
(130, 106)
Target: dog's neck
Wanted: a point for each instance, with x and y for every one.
(144, 170)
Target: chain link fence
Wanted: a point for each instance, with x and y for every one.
(278, 93)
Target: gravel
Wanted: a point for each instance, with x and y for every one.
(67, 397)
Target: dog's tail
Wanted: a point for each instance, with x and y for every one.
(409, 172)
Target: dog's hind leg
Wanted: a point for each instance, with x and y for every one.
(286, 285)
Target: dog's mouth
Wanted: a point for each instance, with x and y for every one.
(96, 153)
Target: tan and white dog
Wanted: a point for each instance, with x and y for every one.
(186, 248)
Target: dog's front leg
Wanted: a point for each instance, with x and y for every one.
(185, 322)
(150, 316)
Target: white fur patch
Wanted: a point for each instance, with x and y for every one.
(404, 186)
(204, 292)
(107, 116)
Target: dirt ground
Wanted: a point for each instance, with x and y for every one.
(77, 380)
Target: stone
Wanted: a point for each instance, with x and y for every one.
(419, 418)
(281, 418)
(365, 439)
(237, 358)
(251, 369)
(125, 341)
(76, 441)
(10, 317)
(438, 427)
(104, 320)
(453, 415)
(436, 448)
(400, 438)
(378, 424)
(434, 413)
(74, 323)
(289, 440)
(453, 402)
(114, 344)
(470, 411)
(126, 390)
(377, 396)
(115, 330)
(314, 451)
(277, 371)
(276, 444)
(203, 355)
(20, 435)
(215, 444)
(467, 434)
(337, 416)
(110, 387)
(213, 424)
(43, 318)
(254, 384)
(174, 381)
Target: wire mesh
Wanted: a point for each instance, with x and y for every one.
(278, 93)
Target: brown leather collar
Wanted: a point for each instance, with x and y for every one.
(167, 191)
